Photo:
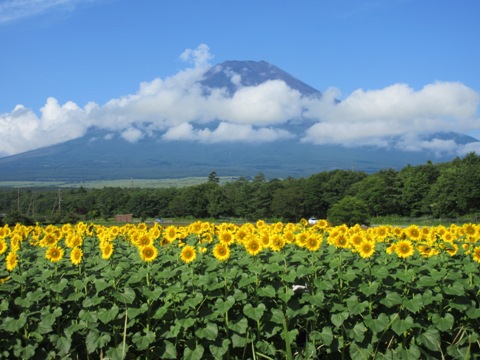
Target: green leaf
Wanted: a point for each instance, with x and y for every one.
(222, 306)
(245, 280)
(59, 286)
(45, 325)
(218, 352)
(357, 352)
(426, 282)
(339, 318)
(239, 327)
(277, 316)
(326, 336)
(391, 299)
(88, 316)
(107, 315)
(13, 325)
(401, 325)
(443, 323)
(134, 312)
(238, 341)
(170, 351)
(95, 340)
(316, 299)
(193, 302)
(93, 301)
(209, 332)
(431, 339)
(63, 345)
(160, 313)
(473, 312)
(193, 354)
(358, 332)
(254, 313)
(369, 289)
(116, 353)
(355, 307)
(127, 296)
(267, 291)
(100, 284)
(143, 341)
(379, 324)
(414, 304)
(455, 288)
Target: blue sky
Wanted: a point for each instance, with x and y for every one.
(399, 66)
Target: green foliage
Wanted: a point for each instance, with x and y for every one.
(434, 190)
(382, 307)
(350, 211)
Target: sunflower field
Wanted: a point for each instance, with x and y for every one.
(228, 291)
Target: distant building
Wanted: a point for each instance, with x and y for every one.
(124, 218)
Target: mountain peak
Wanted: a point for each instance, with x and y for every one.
(233, 74)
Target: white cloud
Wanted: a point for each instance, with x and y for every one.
(225, 132)
(132, 135)
(377, 117)
(176, 108)
(13, 10)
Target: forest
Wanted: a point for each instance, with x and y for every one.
(438, 190)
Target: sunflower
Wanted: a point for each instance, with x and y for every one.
(366, 249)
(142, 227)
(356, 239)
(341, 241)
(107, 250)
(170, 233)
(391, 249)
(265, 239)
(253, 246)
(413, 232)
(260, 224)
(3, 246)
(476, 254)
(76, 256)
(289, 237)
(470, 229)
(155, 232)
(54, 253)
(226, 237)
(148, 253)
(188, 254)
(452, 249)
(221, 252)
(49, 240)
(300, 239)
(277, 243)
(12, 260)
(240, 235)
(195, 227)
(313, 243)
(144, 240)
(404, 248)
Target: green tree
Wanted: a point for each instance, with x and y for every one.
(350, 211)
(380, 191)
(288, 200)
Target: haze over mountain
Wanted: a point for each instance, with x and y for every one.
(240, 118)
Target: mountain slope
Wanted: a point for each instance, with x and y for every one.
(98, 155)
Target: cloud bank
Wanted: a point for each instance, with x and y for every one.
(177, 108)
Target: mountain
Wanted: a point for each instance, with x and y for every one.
(251, 73)
(99, 156)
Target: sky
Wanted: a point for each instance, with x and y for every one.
(402, 69)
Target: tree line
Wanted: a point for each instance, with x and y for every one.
(439, 190)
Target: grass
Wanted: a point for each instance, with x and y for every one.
(122, 183)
